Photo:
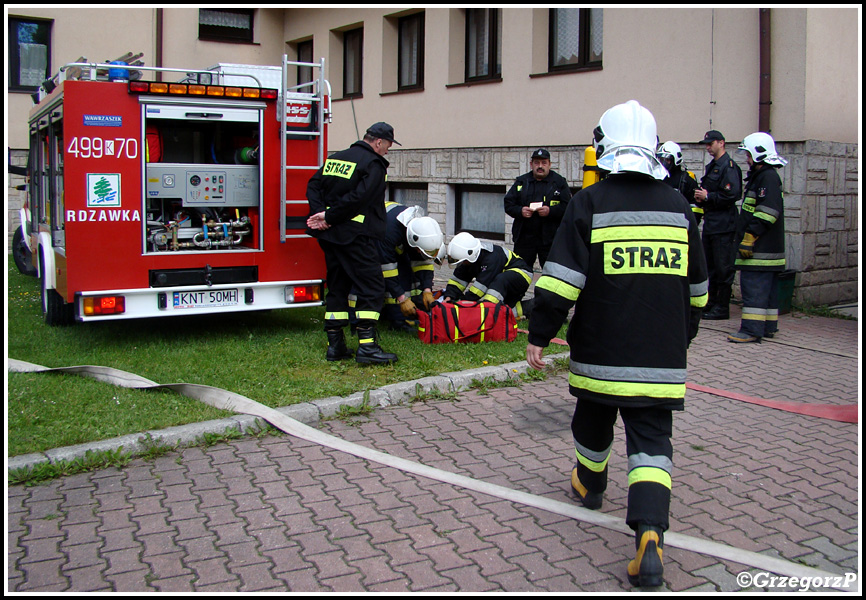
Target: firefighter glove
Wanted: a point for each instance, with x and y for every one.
(407, 307)
(747, 246)
(428, 299)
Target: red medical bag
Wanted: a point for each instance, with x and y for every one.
(465, 321)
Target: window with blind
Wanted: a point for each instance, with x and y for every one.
(411, 52)
(225, 24)
(353, 57)
(576, 38)
(409, 194)
(479, 210)
(483, 44)
(305, 55)
(29, 53)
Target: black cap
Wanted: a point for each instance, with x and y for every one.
(540, 153)
(382, 131)
(712, 136)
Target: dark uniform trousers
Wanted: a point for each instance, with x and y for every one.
(720, 250)
(648, 445)
(350, 269)
(760, 290)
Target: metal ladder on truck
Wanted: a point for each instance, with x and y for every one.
(319, 91)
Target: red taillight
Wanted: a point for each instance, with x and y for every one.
(104, 305)
(269, 94)
(303, 293)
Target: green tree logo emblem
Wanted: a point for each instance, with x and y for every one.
(104, 190)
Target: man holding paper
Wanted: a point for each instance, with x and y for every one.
(537, 202)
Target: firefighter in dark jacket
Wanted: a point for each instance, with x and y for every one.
(628, 259)
(761, 239)
(412, 244)
(536, 201)
(679, 178)
(347, 216)
(484, 271)
(721, 189)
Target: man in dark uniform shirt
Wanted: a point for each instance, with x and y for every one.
(721, 188)
(536, 201)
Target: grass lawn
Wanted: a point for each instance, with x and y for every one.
(276, 358)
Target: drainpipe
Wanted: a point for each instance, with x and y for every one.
(159, 32)
(764, 101)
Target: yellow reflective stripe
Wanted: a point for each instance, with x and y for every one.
(695, 209)
(460, 285)
(632, 232)
(699, 301)
(366, 340)
(358, 218)
(367, 314)
(338, 168)
(755, 262)
(595, 467)
(764, 216)
(625, 388)
(558, 287)
(659, 258)
(525, 275)
(418, 268)
(649, 475)
(336, 316)
(753, 317)
(390, 273)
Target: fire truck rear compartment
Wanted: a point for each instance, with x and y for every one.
(202, 180)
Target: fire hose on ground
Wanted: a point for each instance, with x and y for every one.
(226, 400)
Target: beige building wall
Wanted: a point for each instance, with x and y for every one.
(710, 78)
(832, 75)
(695, 68)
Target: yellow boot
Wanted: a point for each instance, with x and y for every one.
(647, 568)
(591, 500)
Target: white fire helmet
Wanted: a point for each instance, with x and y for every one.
(762, 148)
(463, 246)
(672, 150)
(625, 141)
(425, 234)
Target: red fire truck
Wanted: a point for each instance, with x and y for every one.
(150, 199)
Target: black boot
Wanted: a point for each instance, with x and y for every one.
(369, 351)
(721, 308)
(337, 349)
(717, 313)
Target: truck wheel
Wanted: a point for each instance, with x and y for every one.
(55, 310)
(21, 254)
